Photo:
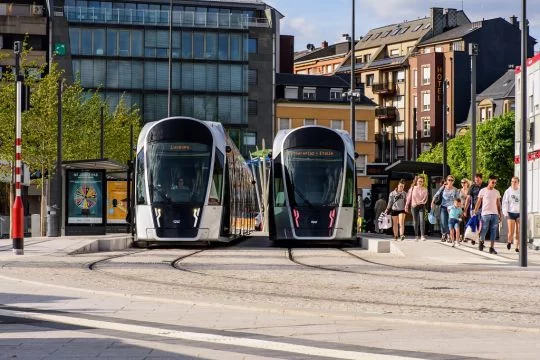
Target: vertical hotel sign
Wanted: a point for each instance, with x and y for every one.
(85, 197)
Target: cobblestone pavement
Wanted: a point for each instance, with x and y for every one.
(425, 300)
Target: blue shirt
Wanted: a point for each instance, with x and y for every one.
(454, 212)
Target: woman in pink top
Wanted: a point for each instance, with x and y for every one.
(416, 204)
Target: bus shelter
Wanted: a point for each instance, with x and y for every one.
(95, 197)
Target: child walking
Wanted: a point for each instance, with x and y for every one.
(455, 212)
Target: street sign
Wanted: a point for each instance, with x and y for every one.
(60, 49)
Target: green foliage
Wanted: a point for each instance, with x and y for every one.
(81, 121)
(494, 151)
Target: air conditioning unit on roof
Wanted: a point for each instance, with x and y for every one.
(37, 10)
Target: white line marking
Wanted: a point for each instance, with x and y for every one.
(204, 337)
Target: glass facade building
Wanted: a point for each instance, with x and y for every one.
(122, 48)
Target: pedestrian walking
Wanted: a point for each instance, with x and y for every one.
(455, 212)
(463, 193)
(510, 209)
(489, 201)
(379, 208)
(416, 205)
(448, 194)
(472, 197)
(396, 208)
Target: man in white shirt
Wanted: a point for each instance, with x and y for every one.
(489, 199)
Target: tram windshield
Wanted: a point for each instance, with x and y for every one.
(178, 171)
(313, 176)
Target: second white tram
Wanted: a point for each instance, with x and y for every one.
(312, 189)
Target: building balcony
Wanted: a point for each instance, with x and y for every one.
(387, 88)
(386, 114)
(159, 18)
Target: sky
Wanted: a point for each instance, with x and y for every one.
(313, 21)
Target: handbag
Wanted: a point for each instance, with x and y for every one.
(431, 218)
(385, 221)
(470, 234)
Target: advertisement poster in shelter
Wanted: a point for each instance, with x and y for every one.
(116, 202)
(85, 192)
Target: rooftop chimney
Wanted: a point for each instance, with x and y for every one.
(514, 21)
(324, 44)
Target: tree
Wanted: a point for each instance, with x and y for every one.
(494, 151)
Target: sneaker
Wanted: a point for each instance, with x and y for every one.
(416, 238)
(443, 237)
(508, 246)
(402, 237)
(517, 250)
(423, 238)
(473, 242)
(492, 251)
(454, 244)
(481, 246)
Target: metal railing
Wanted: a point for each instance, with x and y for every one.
(389, 112)
(386, 87)
(157, 17)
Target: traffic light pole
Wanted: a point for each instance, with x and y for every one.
(17, 219)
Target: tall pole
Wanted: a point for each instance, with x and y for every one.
(415, 134)
(523, 158)
(57, 209)
(444, 142)
(169, 89)
(102, 135)
(473, 51)
(17, 233)
(353, 81)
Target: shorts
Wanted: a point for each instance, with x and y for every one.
(513, 216)
(453, 223)
(396, 212)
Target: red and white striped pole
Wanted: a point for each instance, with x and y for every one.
(17, 222)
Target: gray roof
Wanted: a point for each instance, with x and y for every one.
(395, 33)
(503, 88)
(311, 80)
(455, 33)
(340, 48)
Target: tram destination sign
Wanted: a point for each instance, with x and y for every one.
(316, 153)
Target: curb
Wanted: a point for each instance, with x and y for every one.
(99, 245)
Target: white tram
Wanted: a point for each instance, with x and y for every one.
(312, 190)
(191, 184)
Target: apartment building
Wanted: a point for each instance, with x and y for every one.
(445, 58)
(224, 56)
(317, 100)
(24, 20)
(323, 60)
(499, 98)
(532, 157)
(382, 63)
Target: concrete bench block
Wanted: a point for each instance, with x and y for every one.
(376, 245)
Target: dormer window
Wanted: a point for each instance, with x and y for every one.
(308, 93)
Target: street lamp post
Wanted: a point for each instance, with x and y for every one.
(473, 52)
(444, 126)
(523, 159)
(169, 88)
(353, 83)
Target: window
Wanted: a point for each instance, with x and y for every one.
(427, 50)
(400, 76)
(483, 116)
(426, 100)
(386, 33)
(361, 162)
(361, 130)
(425, 146)
(426, 75)
(415, 102)
(336, 124)
(415, 78)
(335, 93)
(310, 122)
(438, 49)
(404, 30)
(399, 101)
(367, 57)
(284, 123)
(458, 46)
(291, 92)
(308, 93)
(417, 27)
(370, 79)
(252, 46)
(394, 52)
(252, 107)
(252, 77)
(250, 139)
(426, 127)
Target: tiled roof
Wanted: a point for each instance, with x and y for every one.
(503, 88)
(341, 48)
(311, 80)
(395, 33)
(455, 33)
